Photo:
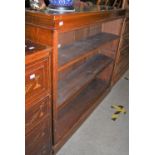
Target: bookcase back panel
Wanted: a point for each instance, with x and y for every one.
(113, 26)
(67, 38)
(109, 49)
(105, 75)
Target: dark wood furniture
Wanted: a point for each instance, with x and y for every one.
(38, 99)
(84, 50)
(122, 59)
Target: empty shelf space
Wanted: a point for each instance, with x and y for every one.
(79, 105)
(78, 78)
(70, 53)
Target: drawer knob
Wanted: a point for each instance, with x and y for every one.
(31, 48)
(32, 76)
(61, 23)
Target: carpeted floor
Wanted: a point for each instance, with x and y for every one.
(99, 135)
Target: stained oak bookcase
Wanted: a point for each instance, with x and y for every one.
(84, 50)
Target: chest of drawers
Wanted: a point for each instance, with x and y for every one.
(38, 99)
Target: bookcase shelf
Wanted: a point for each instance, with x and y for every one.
(72, 53)
(78, 78)
(79, 105)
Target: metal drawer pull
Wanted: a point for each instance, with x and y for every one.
(61, 23)
(32, 76)
(31, 48)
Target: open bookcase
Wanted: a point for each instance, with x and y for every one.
(83, 56)
(86, 59)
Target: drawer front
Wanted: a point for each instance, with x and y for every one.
(36, 113)
(38, 140)
(37, 79)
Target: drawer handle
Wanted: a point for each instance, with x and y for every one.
(35, 83)
(61, 23)
(32, 76)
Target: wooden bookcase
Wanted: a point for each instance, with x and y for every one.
(84, 50)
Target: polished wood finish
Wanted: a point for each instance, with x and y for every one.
(36, 79)
(38, 139)
(36, 113)
(84, 51)
(38, 34)
(51, 21)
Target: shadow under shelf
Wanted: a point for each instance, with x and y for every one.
(70, 54)
(79, 106)
(77, 79)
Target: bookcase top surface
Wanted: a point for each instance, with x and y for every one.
(78, 10)
(82, 16)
